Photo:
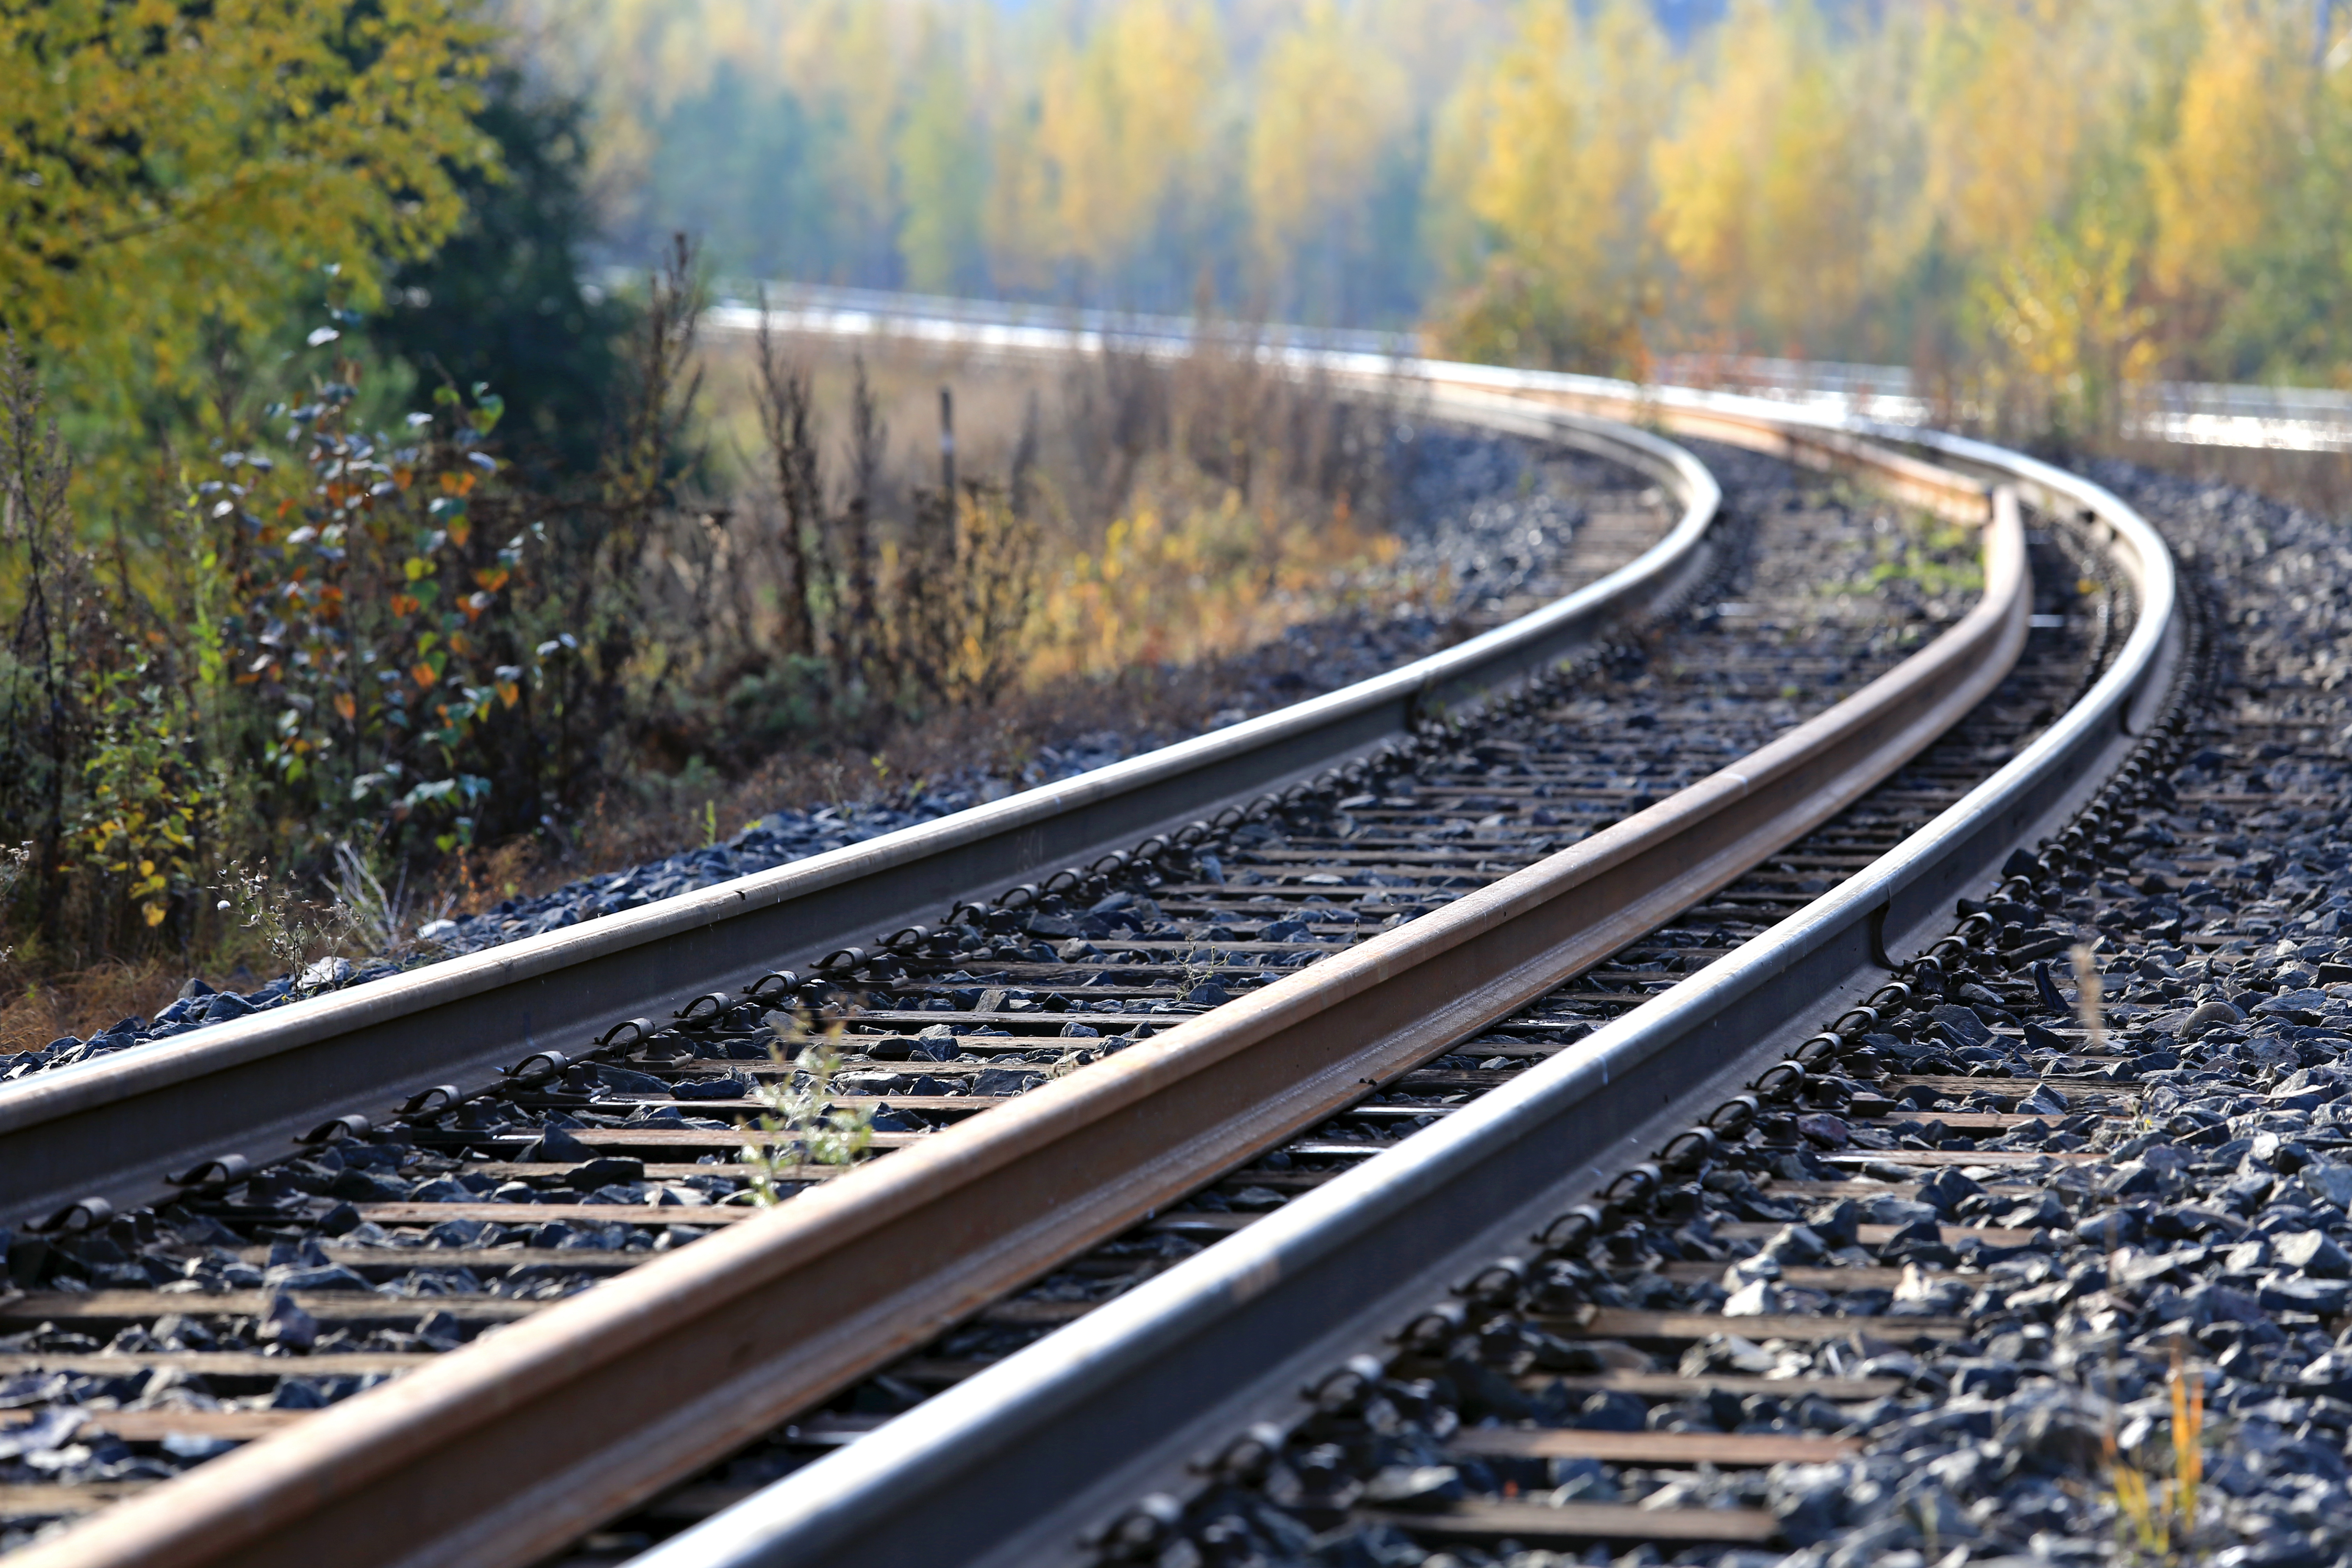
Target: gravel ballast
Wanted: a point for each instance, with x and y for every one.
(2026, 1275)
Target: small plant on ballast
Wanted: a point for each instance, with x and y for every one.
(799, 1124)
(285, 924)
(2157, 1521)
(384, 922)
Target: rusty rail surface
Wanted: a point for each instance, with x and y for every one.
(508, 1448)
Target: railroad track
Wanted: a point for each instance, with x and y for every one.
(1403, 1350)
(120, 1128)
(2046, 683)
(275, 1262)
(570, 1414)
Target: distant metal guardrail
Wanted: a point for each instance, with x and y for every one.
(2203, 414)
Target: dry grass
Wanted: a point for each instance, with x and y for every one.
(1187, 519)
(661, 817)
(40, 1011)
(1243, 574)
(44, 1002)
(657, 818)
(991, 403)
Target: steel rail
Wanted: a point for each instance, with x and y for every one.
(1033, 1460)
(118, 1126)
(505, 1449)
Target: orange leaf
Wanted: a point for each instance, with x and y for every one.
(346, 706)
(490, 577)
(509, 693)
(422, 674)
(405, 603)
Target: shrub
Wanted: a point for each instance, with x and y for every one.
(342, 650)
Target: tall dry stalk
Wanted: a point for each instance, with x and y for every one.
(2089, 998)
(2152, 1520)
(787, 425)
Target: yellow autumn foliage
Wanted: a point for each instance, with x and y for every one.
(1761, 202)
(2239, 122)
(1327, 104)
(1548, 150)
(1959, 185)
(1121, 120)
(1244, 570)
(2011, 95)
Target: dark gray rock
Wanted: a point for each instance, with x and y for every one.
(284, 1322)
(728, 1086)
(557, 1146)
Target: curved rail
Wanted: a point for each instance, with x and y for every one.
(524, 1439)
(118, 1126)
(1028, 1461)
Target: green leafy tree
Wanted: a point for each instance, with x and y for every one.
(369, 651)
(502, 301)
(173, 167)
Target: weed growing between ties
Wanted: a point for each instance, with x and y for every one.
(2157, 1516)
(799, 1126)
(2089, 998)
(1917, 557)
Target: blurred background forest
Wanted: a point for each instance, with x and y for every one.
(2050, 191)
(376, 511)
